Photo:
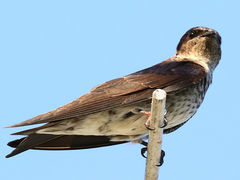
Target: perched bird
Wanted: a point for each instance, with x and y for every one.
(112, 113)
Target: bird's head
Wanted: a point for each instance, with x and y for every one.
(202, 45)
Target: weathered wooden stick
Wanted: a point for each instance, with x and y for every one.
(155, 135)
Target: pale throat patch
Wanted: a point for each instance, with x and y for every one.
(201, 61)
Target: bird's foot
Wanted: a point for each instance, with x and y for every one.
(144, 150)
(147, 113)
(148, 122)
(165, 122)
(161, 158)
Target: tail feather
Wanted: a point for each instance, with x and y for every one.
(15, 143)
(29, 142)
(59, 142)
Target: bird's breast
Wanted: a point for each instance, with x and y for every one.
(181, 106)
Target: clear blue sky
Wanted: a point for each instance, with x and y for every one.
(52, 52)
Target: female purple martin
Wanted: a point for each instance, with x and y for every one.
(111, 113)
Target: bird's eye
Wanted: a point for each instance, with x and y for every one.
(192, 34)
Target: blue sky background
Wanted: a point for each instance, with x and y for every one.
(52, 52)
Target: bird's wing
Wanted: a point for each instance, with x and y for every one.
(169, 75)
(59, 142)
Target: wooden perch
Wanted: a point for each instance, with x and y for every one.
(155, 135)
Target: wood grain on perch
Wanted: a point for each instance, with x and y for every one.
(155, 135)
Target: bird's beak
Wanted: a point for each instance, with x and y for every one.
(209, 33)
(212, 34)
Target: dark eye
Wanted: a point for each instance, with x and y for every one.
(193, 34)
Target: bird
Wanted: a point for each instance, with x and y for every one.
(115, 112)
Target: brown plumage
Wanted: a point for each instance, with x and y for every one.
(110, 113)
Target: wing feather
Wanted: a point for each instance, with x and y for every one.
(169, 75)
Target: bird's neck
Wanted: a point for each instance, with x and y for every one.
(209, 64)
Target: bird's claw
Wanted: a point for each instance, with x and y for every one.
(161, 158)
(147, 124)
(165, 123)
(144, 150)
(148, 127)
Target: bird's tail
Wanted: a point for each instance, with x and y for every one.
(59, 142)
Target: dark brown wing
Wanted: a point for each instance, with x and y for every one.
(169, 75)
(58, 142)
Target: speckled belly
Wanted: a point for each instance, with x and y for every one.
(183, 105)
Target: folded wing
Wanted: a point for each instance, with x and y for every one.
(169, 75)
